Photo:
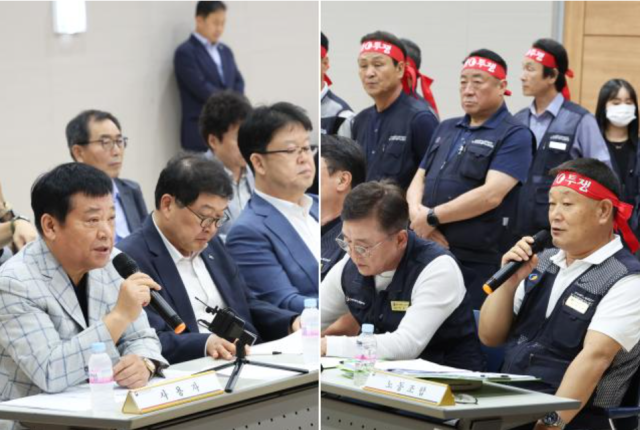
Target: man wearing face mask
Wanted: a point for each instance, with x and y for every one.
(564, 130)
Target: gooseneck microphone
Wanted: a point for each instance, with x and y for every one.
(540, 241)
(125, 266)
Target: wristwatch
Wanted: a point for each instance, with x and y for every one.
(552, 419)
(432, 219)
(150, 365)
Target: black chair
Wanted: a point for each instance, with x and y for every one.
(495, 356)
(625, 417)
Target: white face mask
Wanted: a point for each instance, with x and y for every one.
(621, 115)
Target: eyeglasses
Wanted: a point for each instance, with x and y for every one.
(301, 150)
(206, 222)
(109, 142)
(362, 251)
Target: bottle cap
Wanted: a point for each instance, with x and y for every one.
(98, 347)
(367, 328)
(310, 303)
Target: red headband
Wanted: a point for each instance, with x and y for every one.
(425, 83)
(486, 65)
(592, 189)
(548, 60)
(390, 50)
(323, 53)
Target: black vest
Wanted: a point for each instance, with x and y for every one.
(545, 347)
(533, 205)
(332, 109)
(478, 238)
(331, 253)
(455, 343)
(387, 140)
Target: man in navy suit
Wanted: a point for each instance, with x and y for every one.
(203, 65)
(177, 246)
(276, 239)
(95, 138)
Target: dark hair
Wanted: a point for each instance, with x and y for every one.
(263, 122)
(77, 130)
(52, 191)
(593, 169)
(413, 51)
(562, 61)
(221, 111)
(609, 91)
(189, 174)
(205, 8)
(386, 37)
(384, 200)
(324, 41)
(343, 154)
(487, 53)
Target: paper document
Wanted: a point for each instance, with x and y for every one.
(418, 365)
(291, 344)
(330, 362)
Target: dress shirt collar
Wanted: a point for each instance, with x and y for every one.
(324, 91)
(494, 120)
(205, 41)
(553, 108)
(285, 206)
(176, 256)
(606, 251)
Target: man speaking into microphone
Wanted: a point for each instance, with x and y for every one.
(571, 314)
(60, 294)
(177, 246)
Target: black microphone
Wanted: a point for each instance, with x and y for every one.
(125, 266)
(540, 241)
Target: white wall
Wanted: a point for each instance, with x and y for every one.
(123, 64)
(446, 33)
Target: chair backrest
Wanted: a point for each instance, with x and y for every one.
(495, 356)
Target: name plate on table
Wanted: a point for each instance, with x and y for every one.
(172, 392)
(433, 393)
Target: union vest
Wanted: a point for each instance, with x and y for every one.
(533, 204)
(545, 347)
(334, 111)
(455, 343)
(478, 238)
(388, 143)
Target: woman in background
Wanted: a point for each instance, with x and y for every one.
(617, 116)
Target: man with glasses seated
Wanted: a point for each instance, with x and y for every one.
(95, 138)
(410, 289)
(178, 247)
(276, 239)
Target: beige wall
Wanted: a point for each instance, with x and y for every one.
(445, 31)
(123, 64)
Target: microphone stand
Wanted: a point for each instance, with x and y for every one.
(241, 360)
(234, 324)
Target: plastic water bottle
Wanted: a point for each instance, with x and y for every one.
(310, 322)
(366, 356)
(101, 379)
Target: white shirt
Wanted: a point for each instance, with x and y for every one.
(300, 218)
(196, 279)
(438, 291)
(617, 314)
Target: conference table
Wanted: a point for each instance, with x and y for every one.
(280, 404)
(498, 407)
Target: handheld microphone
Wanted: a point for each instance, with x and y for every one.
(125, 266)
(540, 241)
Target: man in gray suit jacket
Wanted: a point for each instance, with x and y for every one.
(60, 293)
(95, 138)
